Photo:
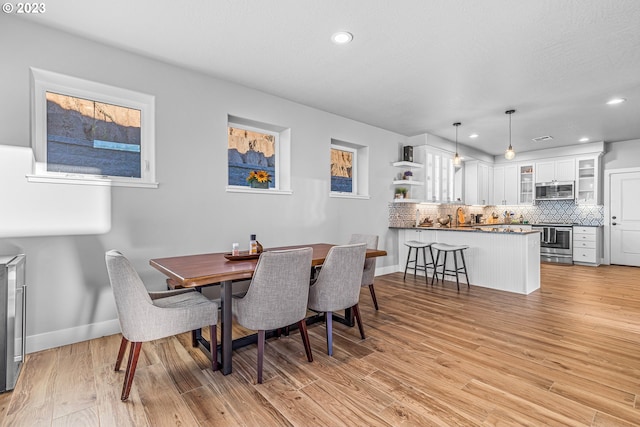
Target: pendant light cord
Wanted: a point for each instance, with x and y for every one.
(511, 148)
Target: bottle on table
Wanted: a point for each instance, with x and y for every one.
(253, 245)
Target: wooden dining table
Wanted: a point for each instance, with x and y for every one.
(195, 271)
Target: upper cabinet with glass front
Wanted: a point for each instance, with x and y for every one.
(588, 180)
(439, 175)
(525, 184)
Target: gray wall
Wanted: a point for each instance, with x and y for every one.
(69, 295)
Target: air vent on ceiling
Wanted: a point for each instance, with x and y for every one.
(542, 138)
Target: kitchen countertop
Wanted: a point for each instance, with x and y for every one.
(486, 228)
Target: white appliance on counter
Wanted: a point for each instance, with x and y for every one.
(12, 319)
(556, 242)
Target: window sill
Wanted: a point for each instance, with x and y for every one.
(349, 196)
(83, 180)
(238, 189)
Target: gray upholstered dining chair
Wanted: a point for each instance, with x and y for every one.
(369, 263)
(146, 316)
(338, 285)
(277, 297)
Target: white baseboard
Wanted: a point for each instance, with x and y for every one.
(386, 270)
(71, 335)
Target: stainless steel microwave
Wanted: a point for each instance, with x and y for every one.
(556, 190)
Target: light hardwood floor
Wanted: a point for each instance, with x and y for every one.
(568, 354)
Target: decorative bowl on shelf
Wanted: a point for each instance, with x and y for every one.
(443, 221)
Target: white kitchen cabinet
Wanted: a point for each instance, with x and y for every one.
(505, 185)
(588, 180)
(439, 174)
(587, 243)
(413, 184)
(476, 183)
(525, 183)
(555, 170)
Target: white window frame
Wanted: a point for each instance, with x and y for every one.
(282, 173)
(359, 171)
(43, 81)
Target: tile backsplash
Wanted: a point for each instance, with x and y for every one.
(552, 211)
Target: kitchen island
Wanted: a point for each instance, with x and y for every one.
(506, 259)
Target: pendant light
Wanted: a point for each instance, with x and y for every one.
(457, 161)
(509, 154)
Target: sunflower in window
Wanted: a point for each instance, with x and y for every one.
(259, 179)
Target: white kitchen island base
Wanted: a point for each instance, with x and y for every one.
(506, 261)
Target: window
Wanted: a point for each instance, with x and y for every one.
(343, 168)
(349, 170)
(252, 153)
(91, 133)
(257, 157)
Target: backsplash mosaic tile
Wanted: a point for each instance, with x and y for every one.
(405, 214)
(551, 211)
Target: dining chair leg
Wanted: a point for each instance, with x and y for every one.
(194, 339)
(373, 296)
(329, 321)
(123, 348)
(356, 313)
(134, 353)
(260, 354)
(213, 343)
(302, 325)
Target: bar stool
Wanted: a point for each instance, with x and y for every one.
(414, 244)
(441, 247)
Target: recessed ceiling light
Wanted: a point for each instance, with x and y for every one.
(474, 135)
(585, 139)
(341, 37)
(615, 101)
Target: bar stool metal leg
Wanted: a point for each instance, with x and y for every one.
(455, 265)
(406, 266)
(435, 269)
(424, 262)
(465, 268)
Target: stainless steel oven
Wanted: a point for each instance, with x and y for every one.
(556, 243)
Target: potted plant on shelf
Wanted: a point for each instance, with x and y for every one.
(259, 179)
(407, 175)
(401, 193)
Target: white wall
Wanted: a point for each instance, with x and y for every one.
(69, 296)
(622, 154)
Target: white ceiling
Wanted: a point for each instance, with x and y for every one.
(414, 66)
